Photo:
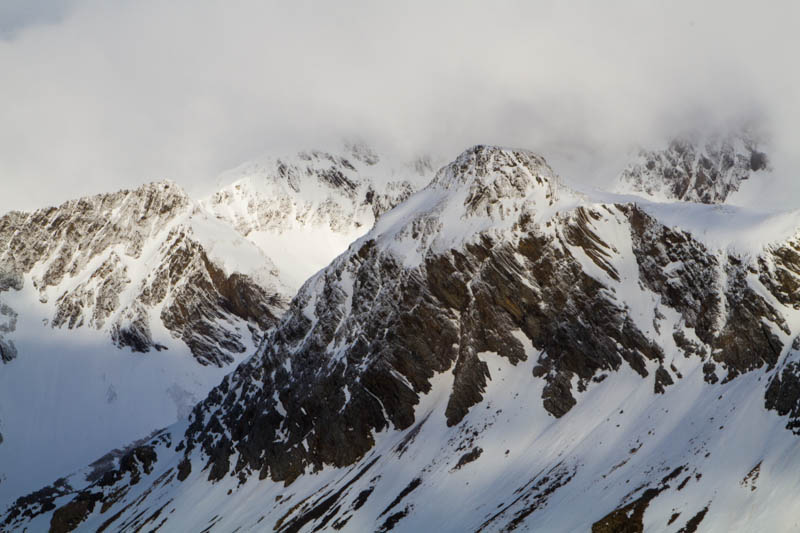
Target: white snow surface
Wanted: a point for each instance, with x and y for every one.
(742, 230)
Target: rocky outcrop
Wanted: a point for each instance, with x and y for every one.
(735, 324)
(100, 294)
(125, 261)
(693, 169)
(8, 324)
(68, 237)
(783, 395)
(205, 298)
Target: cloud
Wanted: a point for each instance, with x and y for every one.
(99, 96)
(17, 15)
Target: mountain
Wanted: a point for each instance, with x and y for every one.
(498, 353)
(120, 311)
(108, 261)
(695, 169)
(306, 209)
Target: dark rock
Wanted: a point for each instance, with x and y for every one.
(743, 342)
(694, 522)
(7, 351)
(709, 372)
(662, 380)
(68, 517)
(783, 395)
(629, 518)
(468, 457)
(184, 469)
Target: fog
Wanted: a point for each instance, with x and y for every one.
(97, 96)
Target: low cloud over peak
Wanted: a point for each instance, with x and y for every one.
(98, 96)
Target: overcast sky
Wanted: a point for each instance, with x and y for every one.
(99, 95)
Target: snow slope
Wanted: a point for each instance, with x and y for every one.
(67, 399)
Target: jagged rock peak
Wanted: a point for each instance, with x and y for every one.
(123, 217)
(313, 166)
(694, 168)
(343, 191)
(123, 261)
(156, 196)
(486, 189)
(347, 170)
(493, 166)
(387, 373)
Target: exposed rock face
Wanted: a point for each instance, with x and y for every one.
(80, 255)
(734, 323)
(495, 265)
(783, 395)
(693, 170)
(382, 330)
(8, 323)
(71, 235)
(206, 297)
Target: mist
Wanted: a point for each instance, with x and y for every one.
(98, 96)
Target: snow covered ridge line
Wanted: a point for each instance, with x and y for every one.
(118, 262)
(494, 354)
(306, 209)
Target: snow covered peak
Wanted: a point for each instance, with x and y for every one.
(307, 208)
(341, 191)
(129, 262)
(694, 169)
(504, 169)
(485, 189)
(125, 217)
(153, 271)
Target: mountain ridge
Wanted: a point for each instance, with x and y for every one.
(705, 169)
(483, 314)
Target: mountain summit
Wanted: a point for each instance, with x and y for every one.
(115, 262)
(693, 169)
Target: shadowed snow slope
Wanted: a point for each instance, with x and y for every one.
(497, 353)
